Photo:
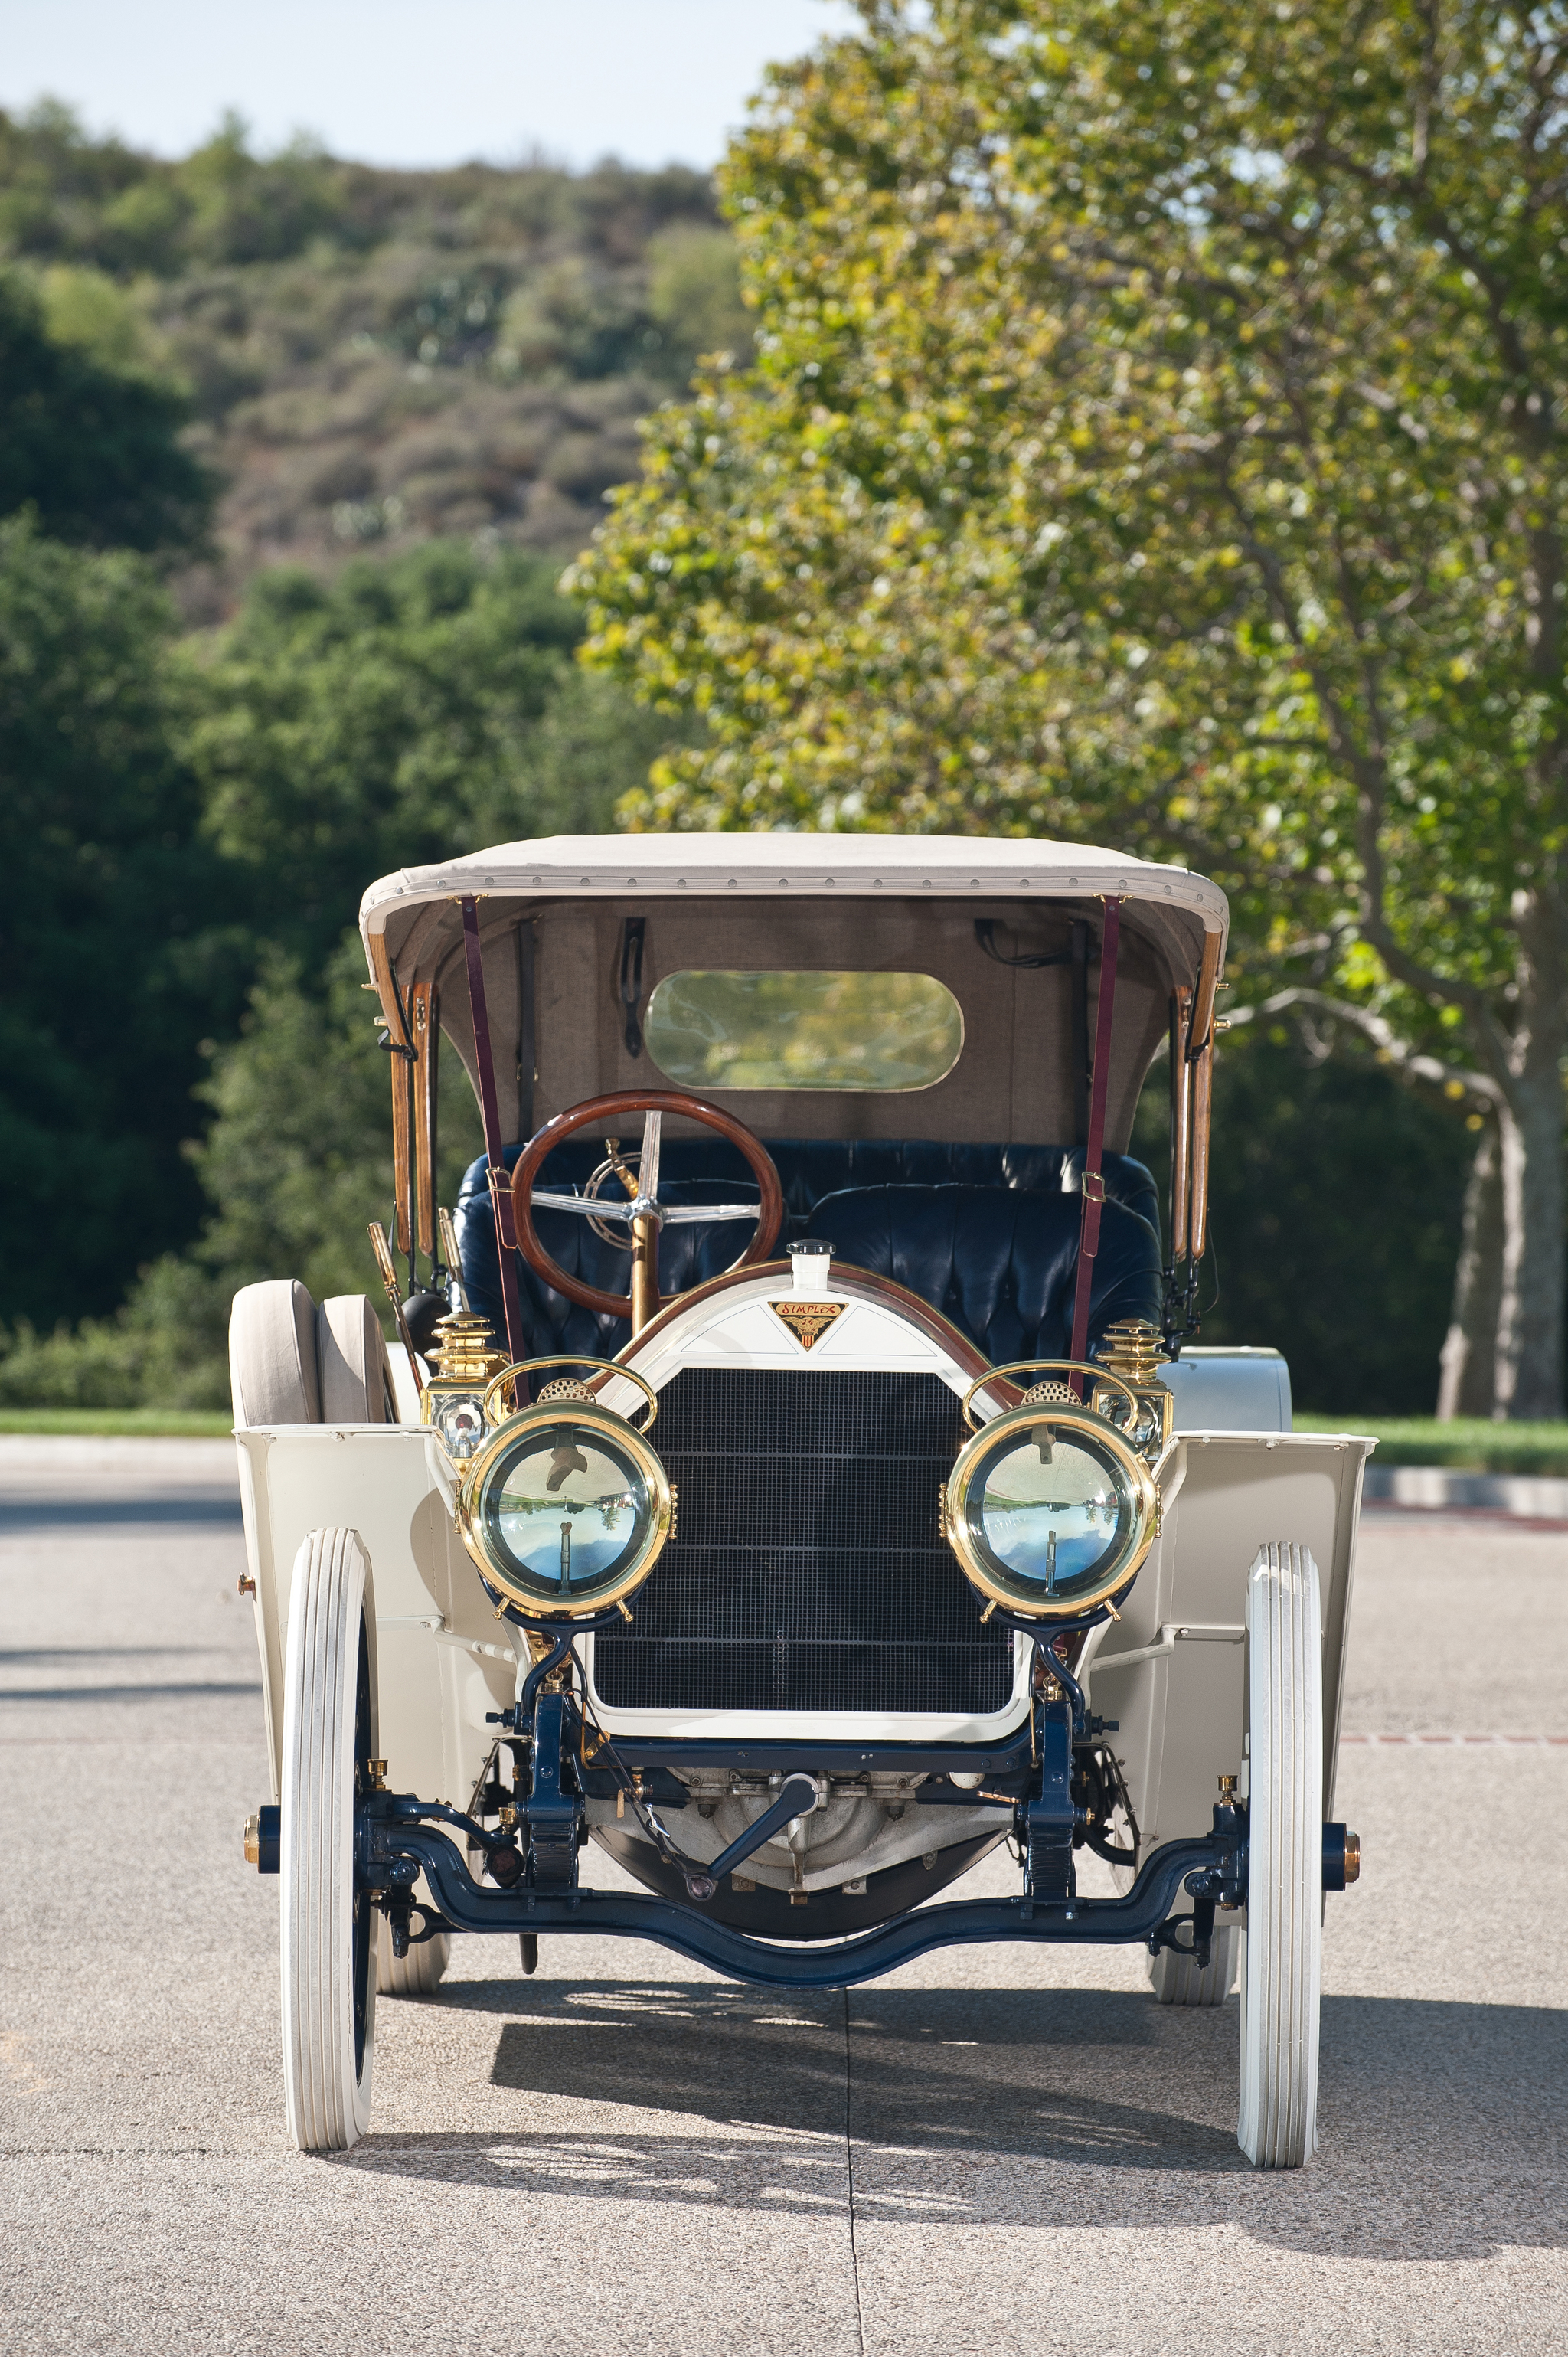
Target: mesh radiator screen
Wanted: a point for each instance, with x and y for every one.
(808, 1571)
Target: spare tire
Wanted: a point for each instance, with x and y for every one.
(273, 1354)
(356, 1377)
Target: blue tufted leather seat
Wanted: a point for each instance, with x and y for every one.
(987, 1234)
(812, 1168)
(1000, 1263)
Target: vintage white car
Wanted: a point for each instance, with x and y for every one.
(796, 1476)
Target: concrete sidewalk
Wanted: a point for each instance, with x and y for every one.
(1439, 1488)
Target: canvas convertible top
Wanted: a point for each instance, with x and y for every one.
(568, 865)
(554, 916)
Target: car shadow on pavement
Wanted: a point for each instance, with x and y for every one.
(219, 1509)
(1438, 2121)
(26, 1660)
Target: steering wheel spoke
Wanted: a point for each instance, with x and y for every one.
(648, 1160)
(641, 1215)
(668, 1214)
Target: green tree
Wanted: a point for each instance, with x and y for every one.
(695, 297)
(1334, 1189)
(401, 715)
(1155, 434)
(296, 1157)
(408, 712)
(120, 946)
(329, 735)
(92, 452)
(404, 714)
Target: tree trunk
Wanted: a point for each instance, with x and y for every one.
(1527, 1381)
(1528, 1361)
(1468, 1362)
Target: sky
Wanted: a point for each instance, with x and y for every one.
(409, 83)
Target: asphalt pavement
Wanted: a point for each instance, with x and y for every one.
(994, 2150)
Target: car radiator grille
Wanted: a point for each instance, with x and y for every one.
(808, 1571)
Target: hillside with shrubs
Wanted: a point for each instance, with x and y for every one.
(374, 358)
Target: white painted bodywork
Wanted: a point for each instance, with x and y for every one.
(444, 1660)
(1172, 1670)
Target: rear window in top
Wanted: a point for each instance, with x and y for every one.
(772, 1029)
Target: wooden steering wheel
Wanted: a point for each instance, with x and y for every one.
(642, 1213)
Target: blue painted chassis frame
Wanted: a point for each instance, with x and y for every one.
(393, 1847)
(1206, 1866)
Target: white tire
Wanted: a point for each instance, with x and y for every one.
(1282, 1953)
(330, 1731)
(414, 1975)
(1177, 1980)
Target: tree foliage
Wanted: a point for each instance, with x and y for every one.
(180, 823)
(92, 451)
(120, 945)
(65, 196)
(299, 1153)
(1333, 1218)
(403, 715)
(1155, 436)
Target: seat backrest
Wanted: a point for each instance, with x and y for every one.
(811, 1170)
(998, 1259)
(1000, 1263)
(812, 1167)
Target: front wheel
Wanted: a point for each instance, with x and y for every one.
(329, 1927)
(1281, 1959)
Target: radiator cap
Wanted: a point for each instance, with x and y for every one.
(813, 1263)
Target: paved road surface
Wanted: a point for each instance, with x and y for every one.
(995, 2151)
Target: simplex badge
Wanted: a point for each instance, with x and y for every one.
(807, 1320)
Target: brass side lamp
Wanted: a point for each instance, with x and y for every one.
(466, 1362)
(1133, 1350)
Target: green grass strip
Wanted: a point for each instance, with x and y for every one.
(143, 1423)
(1469, 1444)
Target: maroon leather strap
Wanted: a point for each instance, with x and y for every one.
(490, 1113)
(1094, 1152)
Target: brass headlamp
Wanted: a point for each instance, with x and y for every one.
(566, 1509)
(1049, 1509)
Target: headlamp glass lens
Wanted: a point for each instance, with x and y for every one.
(566, 1509)
(1048, 1510)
